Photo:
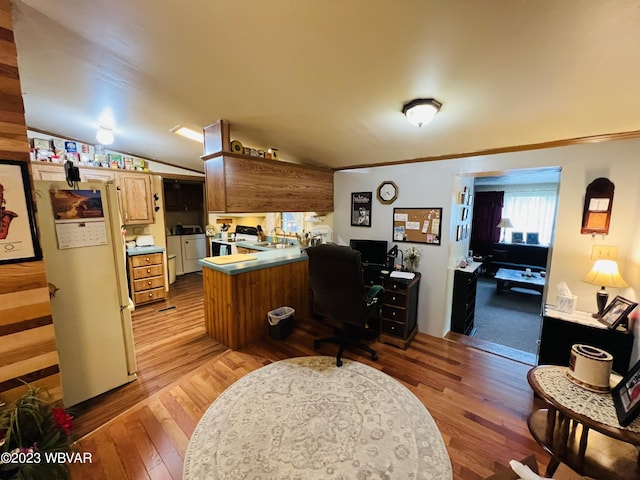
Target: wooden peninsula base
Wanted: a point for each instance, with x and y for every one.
(236, 306)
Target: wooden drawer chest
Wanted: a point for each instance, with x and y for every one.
(398, 322)
(146, 278)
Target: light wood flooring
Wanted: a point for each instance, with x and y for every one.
(479, 400)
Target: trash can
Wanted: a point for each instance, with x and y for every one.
(171, 260)
(280, 322)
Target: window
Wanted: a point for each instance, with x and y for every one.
(531, 211)
(293, 222)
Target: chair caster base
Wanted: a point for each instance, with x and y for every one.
(338, 363)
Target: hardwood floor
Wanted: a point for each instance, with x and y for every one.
(170, 342)
(480, 401)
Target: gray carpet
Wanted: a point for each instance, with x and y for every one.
(511, 318)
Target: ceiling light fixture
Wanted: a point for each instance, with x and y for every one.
(104, 136)
(188, 133)
(421, 110)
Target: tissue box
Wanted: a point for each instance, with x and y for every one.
(566, 304)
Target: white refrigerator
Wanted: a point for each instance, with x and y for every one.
(85, 261)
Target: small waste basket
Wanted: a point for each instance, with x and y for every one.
(280, 322)
(172, 268)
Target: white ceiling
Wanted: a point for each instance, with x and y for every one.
(325, 80)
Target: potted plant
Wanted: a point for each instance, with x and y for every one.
(32, 432)
(411, 257)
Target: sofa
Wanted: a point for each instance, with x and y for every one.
(517, 256)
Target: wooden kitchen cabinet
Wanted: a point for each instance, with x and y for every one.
(48, 171)
(183, 196)
(239, 183)
(146, 278)
(134, 188)
(398, 322)
(136, 200)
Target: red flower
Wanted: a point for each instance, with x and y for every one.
(62, 419)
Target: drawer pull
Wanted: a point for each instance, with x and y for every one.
(148, 270)
(151, 295)
(393, 313)
(149, 283)
(148, 259)
(393, 298)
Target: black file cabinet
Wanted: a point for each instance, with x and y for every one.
(399, 319)
(463, 308)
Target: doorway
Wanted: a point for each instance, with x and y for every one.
(510, 317)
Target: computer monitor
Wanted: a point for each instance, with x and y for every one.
(374, 252)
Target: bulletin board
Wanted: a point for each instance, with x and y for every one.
(417, 225)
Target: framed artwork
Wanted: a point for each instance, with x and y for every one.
(18, 233)
(626, 396)
(361, 209)
(516, 237)
(616, 312)
(418, 225)
(532, 238)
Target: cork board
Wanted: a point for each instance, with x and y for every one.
(417, 225)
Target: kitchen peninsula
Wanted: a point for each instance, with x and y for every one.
(239, 295)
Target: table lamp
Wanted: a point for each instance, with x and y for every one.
(503, 224)
(605, 274)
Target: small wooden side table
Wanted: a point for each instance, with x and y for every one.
(580, 428)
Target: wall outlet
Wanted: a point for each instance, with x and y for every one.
(604, 252)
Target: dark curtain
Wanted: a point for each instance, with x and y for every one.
(487, 211)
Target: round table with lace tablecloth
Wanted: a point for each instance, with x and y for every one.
(580, 428)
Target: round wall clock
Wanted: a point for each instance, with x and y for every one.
(387, 192)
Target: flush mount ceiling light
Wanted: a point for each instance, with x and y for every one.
(104, 136)
(188, 133)
(421, 110)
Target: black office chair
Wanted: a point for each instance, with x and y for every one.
(339, 295)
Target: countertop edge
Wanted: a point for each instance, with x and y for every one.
(252, 265)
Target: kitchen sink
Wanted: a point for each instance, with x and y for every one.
(272, 245)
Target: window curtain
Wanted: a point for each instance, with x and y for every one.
(487, 212)
(531, 212)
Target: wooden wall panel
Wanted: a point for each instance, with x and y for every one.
(236, 306)
(27, 342)
(237, 183)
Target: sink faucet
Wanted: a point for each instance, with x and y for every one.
(274, 234)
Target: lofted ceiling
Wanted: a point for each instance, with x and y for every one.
(324, 81)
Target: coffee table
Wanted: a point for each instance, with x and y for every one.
(507, 278)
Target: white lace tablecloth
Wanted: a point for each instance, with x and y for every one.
(304, 418)
(597, 406)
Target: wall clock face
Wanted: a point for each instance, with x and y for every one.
(387, 192)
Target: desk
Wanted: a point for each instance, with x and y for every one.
(580, 428)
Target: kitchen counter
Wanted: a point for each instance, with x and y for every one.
(267, 258)
(238, 296)
(144, 250)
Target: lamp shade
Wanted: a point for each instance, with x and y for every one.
(605, 274)
(504, 223)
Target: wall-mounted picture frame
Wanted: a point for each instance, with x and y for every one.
(361, 209)
(417, 225)
(18, 232)
(616, 312)
(626, 396)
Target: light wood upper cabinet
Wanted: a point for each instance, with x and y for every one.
(134, 188)
(136, 198)
(48, 171)
(237, 183)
